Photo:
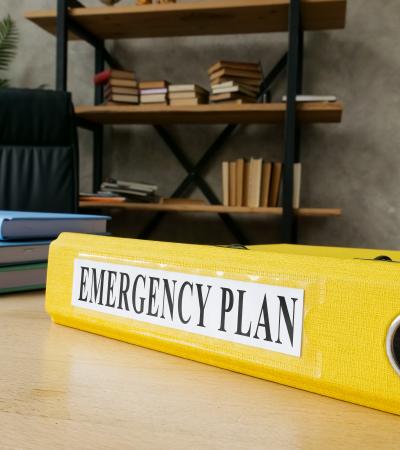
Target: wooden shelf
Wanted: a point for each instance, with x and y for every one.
(212, 113)
(197, 18)
(309, 212)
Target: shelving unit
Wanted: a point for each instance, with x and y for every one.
(73, 21)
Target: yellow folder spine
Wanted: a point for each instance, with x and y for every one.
(348, 306)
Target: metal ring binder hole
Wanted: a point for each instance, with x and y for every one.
(393, 345)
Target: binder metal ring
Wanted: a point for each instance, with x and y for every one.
(393, 345)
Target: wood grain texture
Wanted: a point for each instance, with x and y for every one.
(67, 389)
(198, 208)
(197, 18)
(212, 113)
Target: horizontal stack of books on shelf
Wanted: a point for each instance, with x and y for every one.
(117, 191)
(187, 94)
(256, 183)
(135, 191)
(154, 92)
(235, 82)
(120, 86)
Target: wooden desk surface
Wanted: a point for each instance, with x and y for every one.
(64, 389)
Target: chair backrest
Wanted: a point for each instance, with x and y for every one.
(38, 151)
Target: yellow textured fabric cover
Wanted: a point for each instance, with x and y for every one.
(334, 252)
(349, 305)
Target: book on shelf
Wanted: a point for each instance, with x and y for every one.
(102, 199)
(106, 75)
(246, 174)
(153, 84)
(137, 185)
(153, 91)
(296, 184)
(232, 83)
(109, 89)
(232, 183)
(188, 101)
(132, 190)
(122, 98)
(183, 95)
(187, 94)
(132, 84)
(243, 81)
(313, 98)
(235, 82)
(266, 183)
(173, 88)
(225, 183)
(276, 179)
(237, 74)
(256, 183)
(235, 65)
(154, 98)
(239, 181)
(236, 88)
(232, 96)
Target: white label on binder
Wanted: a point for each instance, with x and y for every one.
(248, 313)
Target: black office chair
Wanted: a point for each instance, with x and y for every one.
(38, 151)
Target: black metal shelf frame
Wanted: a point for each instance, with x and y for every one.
(292, 61)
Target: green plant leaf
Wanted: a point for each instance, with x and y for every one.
(8, 42)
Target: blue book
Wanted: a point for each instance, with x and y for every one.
(23, 252)
(18, 225)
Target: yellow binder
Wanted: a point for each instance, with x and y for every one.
(324, 320)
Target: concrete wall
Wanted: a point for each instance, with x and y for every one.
(353, 165)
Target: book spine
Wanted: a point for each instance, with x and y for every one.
(232, 183)
(225, 183)
(239, 181)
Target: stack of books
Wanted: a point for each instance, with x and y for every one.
(101, 197)
(235, 82)
(24, 244)
(120, 86)
(187, 94)
(154, 92)
(256, 183)
(132, 190)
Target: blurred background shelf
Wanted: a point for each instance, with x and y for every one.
(211, 113)
(197, 18)
(303, 212)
